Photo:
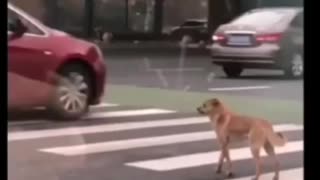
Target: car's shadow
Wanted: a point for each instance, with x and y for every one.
(23, 115)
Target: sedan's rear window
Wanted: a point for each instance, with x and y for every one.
(262, 18)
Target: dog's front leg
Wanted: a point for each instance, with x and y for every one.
(223, 141)
(220, 163)
(227, 156)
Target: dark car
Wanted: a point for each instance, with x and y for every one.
(50, 68)
(196, 29)
(267, 38)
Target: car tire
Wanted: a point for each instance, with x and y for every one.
(232, 71)
(72, 93)
(294, 68)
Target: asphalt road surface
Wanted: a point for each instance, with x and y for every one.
(123, 142)
(194, 72)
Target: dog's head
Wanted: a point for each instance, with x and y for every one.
(212, 106)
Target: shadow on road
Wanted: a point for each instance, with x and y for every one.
(19, 115)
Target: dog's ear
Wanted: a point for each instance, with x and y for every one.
(215, 102)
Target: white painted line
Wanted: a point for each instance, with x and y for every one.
(162, 78)
(292, 174)
(140, 142)
(19, 123)
(147, 64)
(239, 88)
(103, 128)
(128, 144)
(126, 113)
(176, 69)
(103, 105)
(201, 159)
(211, 76)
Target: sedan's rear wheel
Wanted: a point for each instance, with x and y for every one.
(71, 98)
(295, 68)
(232, 71)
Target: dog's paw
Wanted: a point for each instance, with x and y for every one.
(218, 171)
(275, 178)
(255, 178)
(230, 174)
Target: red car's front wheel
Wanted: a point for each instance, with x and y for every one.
(71, 98)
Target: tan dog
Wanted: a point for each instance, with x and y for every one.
(228, 125)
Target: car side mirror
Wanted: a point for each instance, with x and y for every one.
(17, 28)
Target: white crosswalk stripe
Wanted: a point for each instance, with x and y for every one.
(104, 105)
(142, 142)
(200, 159)
(147, 137)
(128, 113)
(101, 106)
(292, 174)
(102, 128)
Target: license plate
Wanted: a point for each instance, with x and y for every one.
(239, 40)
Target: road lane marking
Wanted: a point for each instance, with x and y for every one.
(239, 88)
(201, 159)
(291, 174)
(126, 113)
(162, 78)
(13, 136)
(142, 142)
(103, 105)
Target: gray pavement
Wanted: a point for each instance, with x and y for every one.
(161, 70)
(128, 142)
(120, 143)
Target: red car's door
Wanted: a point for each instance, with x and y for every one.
(28, 66)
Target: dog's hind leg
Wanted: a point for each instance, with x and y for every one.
(270, 151)
(257, 140)
(256, 155)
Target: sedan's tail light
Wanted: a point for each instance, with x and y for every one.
(218, 38)
(269, 38)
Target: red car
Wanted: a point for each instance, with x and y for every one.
(50, 68)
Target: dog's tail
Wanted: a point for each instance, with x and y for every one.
(276, 139)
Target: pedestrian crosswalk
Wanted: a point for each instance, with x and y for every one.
(189, 139)
(292, 174)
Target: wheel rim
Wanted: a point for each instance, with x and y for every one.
(73, 93)
(297, 65)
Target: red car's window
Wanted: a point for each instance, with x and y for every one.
(32, 29)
